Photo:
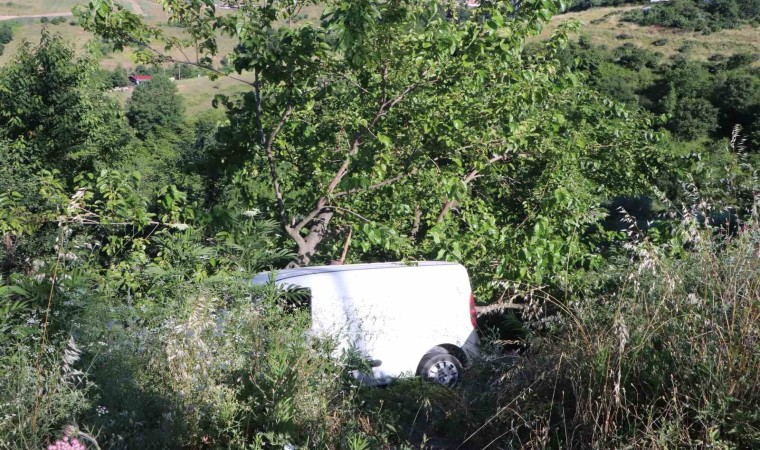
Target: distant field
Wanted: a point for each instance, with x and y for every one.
(603, 26)
(29, 7)
(199, 92)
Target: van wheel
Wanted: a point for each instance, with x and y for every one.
(441, 368)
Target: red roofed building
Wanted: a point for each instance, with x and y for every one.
(139, 79)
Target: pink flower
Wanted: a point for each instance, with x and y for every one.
(67, 443)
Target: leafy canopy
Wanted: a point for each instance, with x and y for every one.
(418, 132)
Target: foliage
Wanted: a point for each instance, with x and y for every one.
(701, 100)
(698, 15)
(155, 106)
(671, 366)
(53, 114)
(119, 77)
(580, 5)
(6, 33)
(181, 350)
(373, 120)
(388, 130)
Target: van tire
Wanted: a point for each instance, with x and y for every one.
(442, 368)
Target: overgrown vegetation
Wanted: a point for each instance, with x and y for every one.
(699, 15)
(6, 35)
(608, 196)
(700, 101)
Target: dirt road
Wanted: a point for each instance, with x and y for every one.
(36, 16)
(136, 8)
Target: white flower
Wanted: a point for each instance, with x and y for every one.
(251, 213)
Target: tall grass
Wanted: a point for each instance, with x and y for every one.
(671, 359)
(667, 358)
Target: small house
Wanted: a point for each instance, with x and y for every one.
(139, 79)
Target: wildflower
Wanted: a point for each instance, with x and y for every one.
(251, 213)
(67, 444)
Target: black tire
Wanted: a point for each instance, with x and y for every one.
(442, 368)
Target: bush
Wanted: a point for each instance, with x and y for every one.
(41, 392)
(635, 58)
(660, 42)
(6, 33)
(667, 359)
(697, 15)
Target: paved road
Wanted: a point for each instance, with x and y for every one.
(35, 16)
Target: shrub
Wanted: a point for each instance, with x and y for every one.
(41, 391)
(6, 33)
(698, 15)
(666, 360)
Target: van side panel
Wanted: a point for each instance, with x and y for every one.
(392, 313)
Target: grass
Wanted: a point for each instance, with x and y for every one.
(199, 92)
(30, 7)
(603, 25)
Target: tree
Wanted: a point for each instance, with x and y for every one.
(410, 126)
(53, 112)
(737, 94)
(119, 77)
(6, 33)
(693, 118)
(155, 106)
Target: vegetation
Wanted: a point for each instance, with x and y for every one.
(698, 15)
(155, 106)
(578, 5)
(6, 35)
(608, 195)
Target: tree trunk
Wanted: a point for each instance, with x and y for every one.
(307, 246)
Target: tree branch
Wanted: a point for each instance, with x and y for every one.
(191, 63)
(416, 222)
(466, 180)
(384, 183)
(272, 163)
(314, 213)
(356, 141)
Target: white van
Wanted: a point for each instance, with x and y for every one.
(407, 319)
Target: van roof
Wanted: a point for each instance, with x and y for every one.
(284, 274)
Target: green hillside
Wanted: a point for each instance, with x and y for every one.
(604, 27)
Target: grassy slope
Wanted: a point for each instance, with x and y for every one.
(198, 93)
(607, 26)
(29, 7)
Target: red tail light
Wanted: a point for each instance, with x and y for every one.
(473, 312)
